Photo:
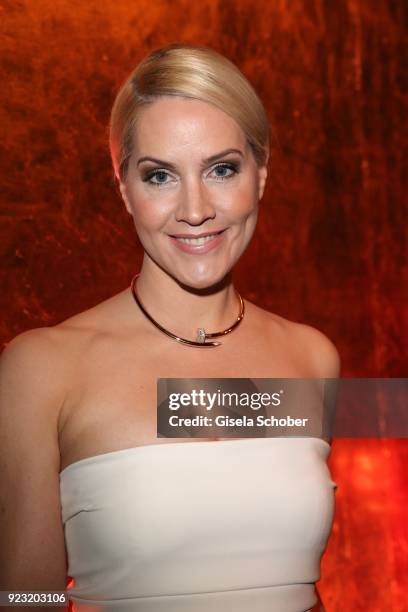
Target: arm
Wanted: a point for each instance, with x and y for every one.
(32, 555)
(323, 359)
(326, 364)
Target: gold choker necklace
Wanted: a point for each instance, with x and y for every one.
(201, 333)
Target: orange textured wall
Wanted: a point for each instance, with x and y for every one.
(329, 250)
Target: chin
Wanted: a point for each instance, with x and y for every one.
(197, 281)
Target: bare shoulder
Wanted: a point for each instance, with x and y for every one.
(47, 357)
(33, 377)
(306, 341)
(39, 353)
(109, 316)
(321, 350)
(33, 350)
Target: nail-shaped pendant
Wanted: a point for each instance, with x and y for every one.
(201, 334)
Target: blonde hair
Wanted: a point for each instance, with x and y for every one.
(189, 71)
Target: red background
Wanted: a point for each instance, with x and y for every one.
(329, 248)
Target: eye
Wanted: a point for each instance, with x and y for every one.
(225, 170)
(159, 175)
(221, 172)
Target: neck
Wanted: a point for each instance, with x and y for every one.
(182, 309)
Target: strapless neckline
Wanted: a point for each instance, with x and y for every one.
(231, 524)
(146, 447)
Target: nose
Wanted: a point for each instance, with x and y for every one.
(195, 205)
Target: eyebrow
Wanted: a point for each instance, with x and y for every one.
(208, 160)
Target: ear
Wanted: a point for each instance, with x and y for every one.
(123, 192)
(262, 175)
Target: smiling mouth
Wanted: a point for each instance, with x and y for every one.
(198, 241)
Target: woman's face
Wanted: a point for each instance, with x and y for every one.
(192, 172)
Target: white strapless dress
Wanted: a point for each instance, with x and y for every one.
(224, 526)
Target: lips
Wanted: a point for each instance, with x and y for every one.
(203, 235)
(199, 243)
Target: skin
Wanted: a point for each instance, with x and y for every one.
(183, 195)
(193, 198)
(90, 381)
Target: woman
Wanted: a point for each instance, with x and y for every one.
(141, 522)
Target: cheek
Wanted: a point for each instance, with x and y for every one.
(243, 200)
(149, 212)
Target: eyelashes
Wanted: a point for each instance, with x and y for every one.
(161, 174)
